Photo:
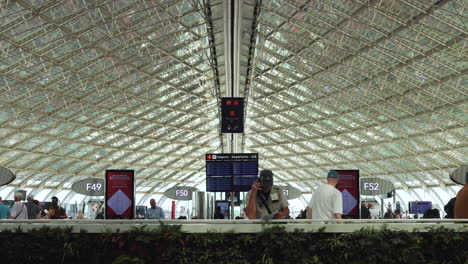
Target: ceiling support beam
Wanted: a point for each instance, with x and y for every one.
(250, 61)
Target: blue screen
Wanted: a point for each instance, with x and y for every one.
(218, 168)
(245, 168)
(420, 207)
(218, 184)
(236, 172)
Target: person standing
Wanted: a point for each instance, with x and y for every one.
(450, 208)
(4, 210)
(42, 213)
(218, 214)
(18, 210)
(154, 212)
(33, 209)
(389, 214)
(365, 212)
(373, 213)
(327, 201)
(59, 211)
(265, 201)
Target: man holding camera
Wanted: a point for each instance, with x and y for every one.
(265, 201)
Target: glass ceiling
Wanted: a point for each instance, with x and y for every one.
(378, 86)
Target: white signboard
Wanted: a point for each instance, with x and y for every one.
(290, 192)
(180, 192)
(460, 175)
(375, 186)
(6, 176)
(89, 186)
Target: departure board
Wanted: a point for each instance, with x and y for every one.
(243, 183)
(218, 184)
(223, 168)
(245, 167)
(231, 172)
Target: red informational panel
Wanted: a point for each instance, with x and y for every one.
(349, 188)
(120, 194)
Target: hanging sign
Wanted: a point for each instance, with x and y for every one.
(180, 193)
(89, 186)
(290, 192)
(6, 176)
(460, 175)
(375, 186)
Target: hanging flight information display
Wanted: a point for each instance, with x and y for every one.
(231, 172)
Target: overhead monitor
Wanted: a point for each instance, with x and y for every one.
(232, 115)
(231, 172)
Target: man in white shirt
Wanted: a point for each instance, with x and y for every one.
(18, 210)
(327, 201)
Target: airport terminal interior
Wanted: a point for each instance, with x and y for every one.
(378, 86)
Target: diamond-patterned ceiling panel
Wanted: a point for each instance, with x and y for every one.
(89, 86)
(375, 85)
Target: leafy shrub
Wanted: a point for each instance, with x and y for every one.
(168, 244)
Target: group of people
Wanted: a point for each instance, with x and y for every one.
(266, 201)
(32, 209)
(368, 212)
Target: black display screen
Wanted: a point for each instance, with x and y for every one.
(231, 172)
(223, 168)
(218, 184)
(245, 167)
(243, 183)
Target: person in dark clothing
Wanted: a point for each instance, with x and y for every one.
(365, 212)
(42, 213)
(449, 208)
(218, 214)
(431, 213)
(59, 212)
(389, 214)
(33, 209)
(299, 216)
(304, 213)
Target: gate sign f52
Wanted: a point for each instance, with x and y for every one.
(376, 186)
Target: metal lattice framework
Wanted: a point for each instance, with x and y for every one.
(377, 85)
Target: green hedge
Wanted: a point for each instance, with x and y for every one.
(168, 244)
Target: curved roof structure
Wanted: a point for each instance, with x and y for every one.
(377, 85)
